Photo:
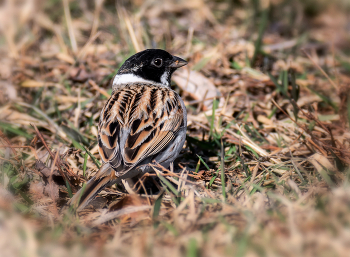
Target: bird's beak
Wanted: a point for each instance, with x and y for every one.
(177, 62)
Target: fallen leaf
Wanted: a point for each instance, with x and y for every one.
(50, 188)
(198, 87)
(65, 57)
(7, 92)
(19, 118)
(139, 206)
(6, 199)
(32, 83)
(79, 74)
(128, 200)
(320, 162)
(41, 167)
(117, 214)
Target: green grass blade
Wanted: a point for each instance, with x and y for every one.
(223, 171)
(97, 163)
(69, 189)
(197, 167)
(192, 250)
(168, 184)
(213, 179)
(262, 27)
(85, 163)
(16, 131)
(157, 204)
(202, 161)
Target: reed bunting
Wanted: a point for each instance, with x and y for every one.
(143, 121)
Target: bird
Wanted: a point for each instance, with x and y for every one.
(143, 121)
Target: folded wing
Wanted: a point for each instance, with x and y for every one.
(138, 122)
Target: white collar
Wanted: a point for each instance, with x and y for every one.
(131, 78)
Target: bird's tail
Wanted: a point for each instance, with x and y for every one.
(104, 177)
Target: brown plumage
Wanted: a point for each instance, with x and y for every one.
(138, 122)
(143, 121)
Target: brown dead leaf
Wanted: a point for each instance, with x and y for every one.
(32, 83)
(51, 189)
(134, 202)
(36, 190)
(43, 203)
(41, 167)
(15, 117)
(320, 162)
(6, 199)
(65, 57)
(79, 74)
(7, 92)
(141, 210)
(128, 200)
(198, 87)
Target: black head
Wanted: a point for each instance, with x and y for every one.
(153, 65)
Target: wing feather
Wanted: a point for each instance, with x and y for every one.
(138, 122)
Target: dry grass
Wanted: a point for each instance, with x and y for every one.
(265, 168)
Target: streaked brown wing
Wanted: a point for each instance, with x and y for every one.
(109, 132)
(138, 122)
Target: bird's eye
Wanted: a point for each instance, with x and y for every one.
(158, 62)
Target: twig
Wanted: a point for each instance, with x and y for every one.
(295, 166)
(285, 113)
(318, 147)
(51, 154)
(82, 52)
(17, 146)
(201, 105)
(49, 120)
(311, 116)
(322, 71)
(98, 5)
(180, 178)
(189, 41)
(97, 88)
(77, 110)
(50, 180)
(73, 41)
(131, 31)
(144, 188)
(2, 135)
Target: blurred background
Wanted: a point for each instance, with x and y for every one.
(267, 91)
